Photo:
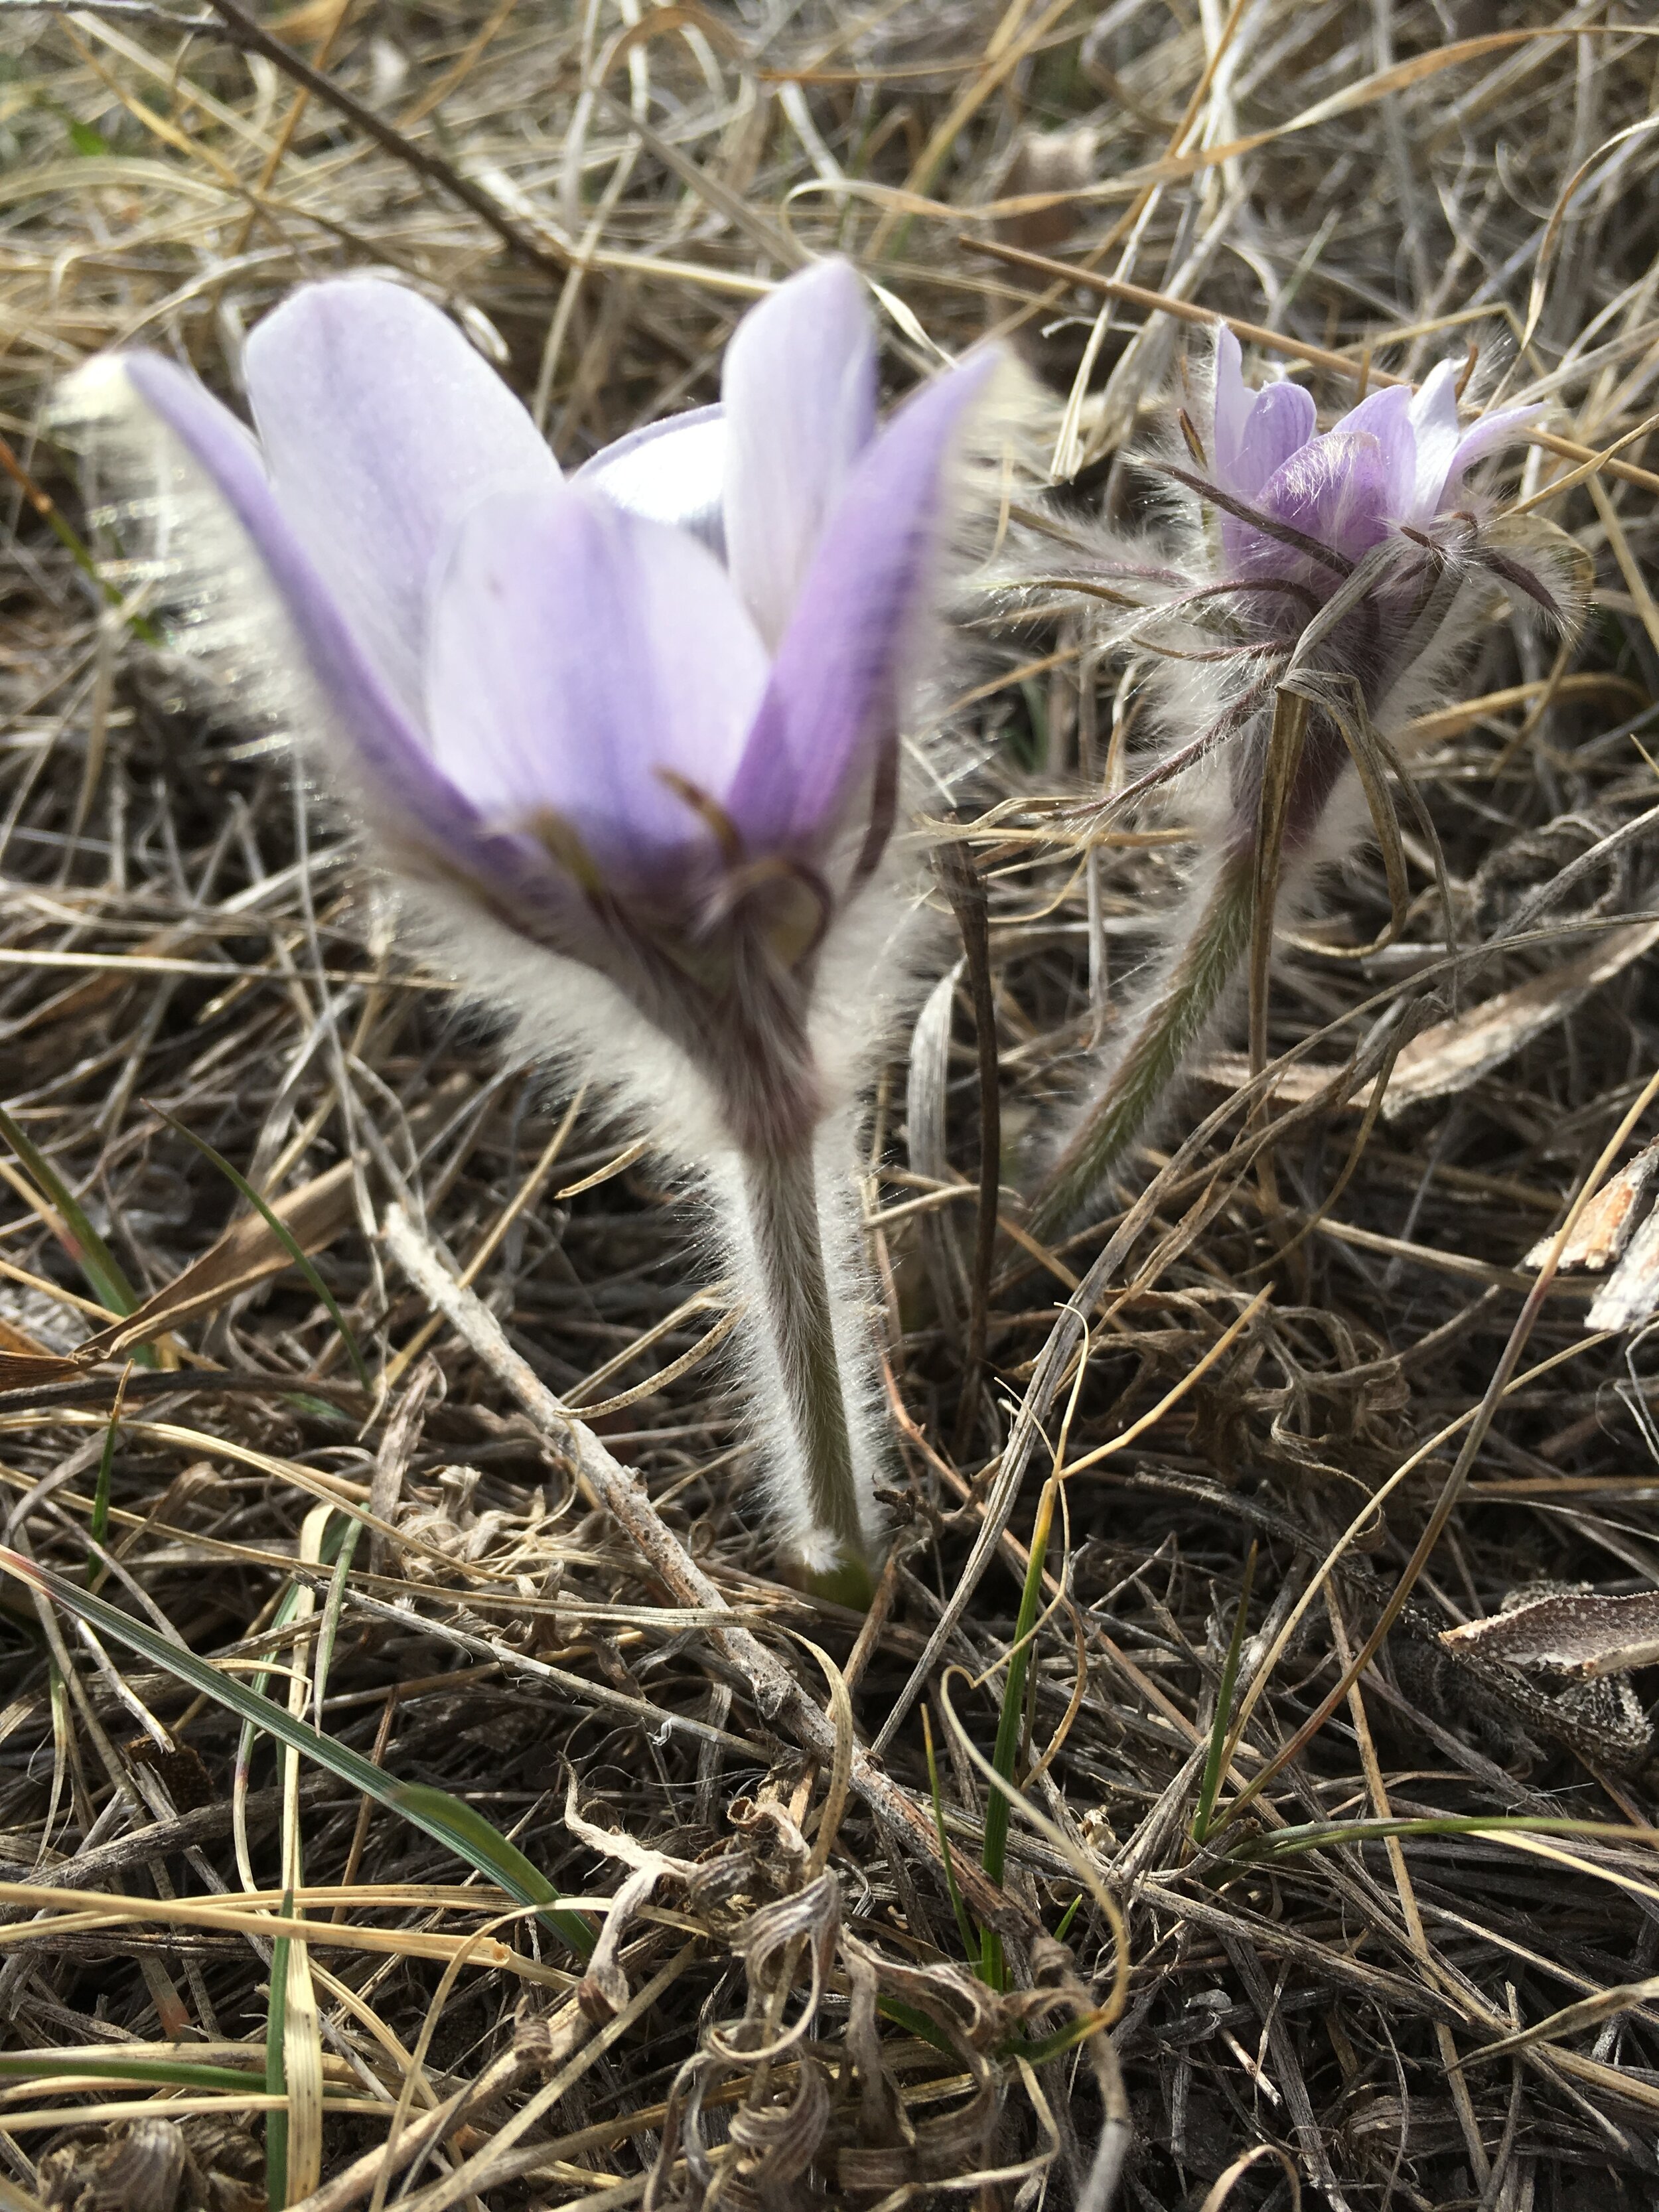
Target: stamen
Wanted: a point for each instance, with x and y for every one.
(794, 926)
(552, 830)
(708, 810)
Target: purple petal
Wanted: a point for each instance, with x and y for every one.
(1498, 429)
(1434, 426)
(837, 694)
(381, 425)
(1255, 432)
(1386, 416)
(575, 650)
(1233, 403)
(1336, 489)
(1280, 423)
(209, 455)
(800, 391)
(672, 472)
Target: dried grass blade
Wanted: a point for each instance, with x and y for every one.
(277, 2195)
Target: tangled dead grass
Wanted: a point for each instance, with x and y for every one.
(1272, 1920)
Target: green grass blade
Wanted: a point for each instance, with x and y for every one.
(334, 1534)
(1216, 1756)
(99, 1530)
(108, 1285)
(276, 2070)
(1057, 2041)
(446, 1819)
(917, 2024)
(95, 2066)
(280, 1230)
(331, 1610)
(964, 1926)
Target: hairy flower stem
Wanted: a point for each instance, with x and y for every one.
(1207, 966)
(793, 1316)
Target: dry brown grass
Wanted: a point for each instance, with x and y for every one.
(1312, 2003)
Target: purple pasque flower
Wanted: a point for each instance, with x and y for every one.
(629, 741)
(1397, 460)
(1323, 590)
(646, 719)
(1353, 565)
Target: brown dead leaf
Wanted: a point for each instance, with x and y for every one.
(20, 1344)
(1604, 1227)
(1578, 1632)
(1297, 1084)
(245, 1255)
(24, 1370)
(1454, 1054)
(1630, 1297)
(248, 1251)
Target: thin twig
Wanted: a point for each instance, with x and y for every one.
(436, 171)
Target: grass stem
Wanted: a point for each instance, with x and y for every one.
(1010, 1723)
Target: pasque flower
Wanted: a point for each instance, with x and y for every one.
(1324, 588)
(1392, 464)
(629, 742)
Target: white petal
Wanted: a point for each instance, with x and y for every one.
(672, 472)
(1434, 422)
(800, 391)
(380, 426)
(1232, 408)
(575, 650)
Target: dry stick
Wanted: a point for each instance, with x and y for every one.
(606, 1482)
(1138, 296)
(249, 33)
(966, 891)
(528, 1190)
